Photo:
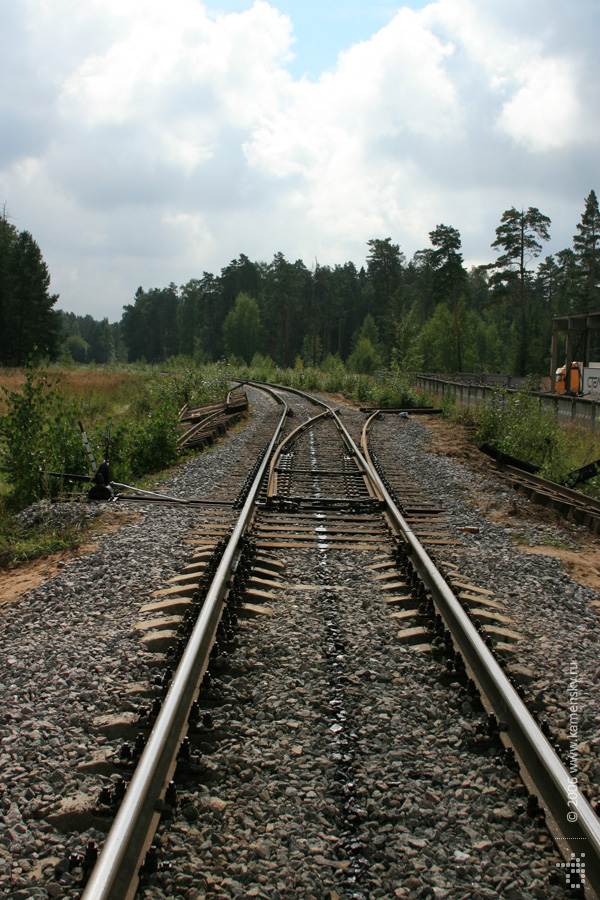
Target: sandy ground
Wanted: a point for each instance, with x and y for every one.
(582, 563)
(455, 441)
(26, 576)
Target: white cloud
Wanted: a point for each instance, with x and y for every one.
(533, 86)
(347, 136)
(145, 142)
(392, 85)
(544, 113)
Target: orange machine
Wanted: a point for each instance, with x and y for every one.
(575, 380)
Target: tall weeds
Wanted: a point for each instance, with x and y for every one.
(391, 390)
(518, 424)
(39, 431)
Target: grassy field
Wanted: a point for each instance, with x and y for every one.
(100, 391)
(39, 431)
(40, 411)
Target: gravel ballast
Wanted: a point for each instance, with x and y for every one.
(554, 614)
(343, 767)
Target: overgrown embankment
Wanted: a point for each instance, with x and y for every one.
(518, 424)
(40, 434)
(391, 390)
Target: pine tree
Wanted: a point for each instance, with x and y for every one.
(385, 265)
(519, 235)
(586, 245)
(29, 324)
(447, 265)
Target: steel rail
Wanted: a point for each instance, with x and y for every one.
(198, 426)
(115, 874)
(230, 396)
(361, 464)
(272, 481)
(316, 401)
(578, 824)
(149, 495)
(560, 492)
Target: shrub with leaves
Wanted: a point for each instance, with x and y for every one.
(39, 431)
(148, 443)
(393, 391)
(517, 424)
(38, 434)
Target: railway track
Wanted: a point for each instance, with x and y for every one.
(568, 503)
(338, 746)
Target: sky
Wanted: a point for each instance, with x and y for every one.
(145, 142)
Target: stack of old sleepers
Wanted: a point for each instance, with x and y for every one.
(204, 424)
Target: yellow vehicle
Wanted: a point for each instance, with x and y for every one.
(575, 379)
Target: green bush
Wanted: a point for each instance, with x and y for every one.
(365, 359)
(38, 434)
(448, 406)
(262, 367)
(335, 374)
(147, 444)
(394, 391)
(389, 391)
(363, 389)
(518, 425)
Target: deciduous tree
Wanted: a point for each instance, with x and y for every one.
(241, 330)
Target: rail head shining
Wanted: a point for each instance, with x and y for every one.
(578, 824)
(576, 821)
(291, 437)
(115, 874)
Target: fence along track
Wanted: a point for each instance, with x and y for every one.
(115, 875)
(540, 764)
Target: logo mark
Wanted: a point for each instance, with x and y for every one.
(574, 871)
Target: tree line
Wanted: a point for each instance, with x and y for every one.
(28, 323)
(429, 313)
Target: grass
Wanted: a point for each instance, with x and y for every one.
(517, 425)
(101, 392)
(390, 391)
(39, 432)
(141, 402)
(514, 423)
(555, 543)
(20, 545)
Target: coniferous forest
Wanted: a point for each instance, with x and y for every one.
(428, 313)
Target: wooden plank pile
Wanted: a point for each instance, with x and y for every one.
(204, 424)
